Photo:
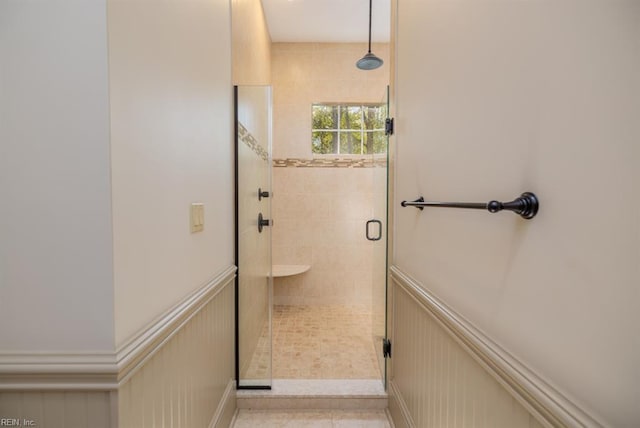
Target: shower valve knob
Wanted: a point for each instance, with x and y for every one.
(262, 194)
(262, 222)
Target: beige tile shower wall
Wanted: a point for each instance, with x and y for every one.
(440, 384)
(307, 73)
(184, 383)
(58, 409)
(320, 213)
(320, 216)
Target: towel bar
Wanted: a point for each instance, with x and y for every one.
(526, 205)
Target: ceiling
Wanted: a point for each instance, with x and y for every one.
(327, 21)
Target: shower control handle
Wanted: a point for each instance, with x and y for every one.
(262, 222)
(262, 193)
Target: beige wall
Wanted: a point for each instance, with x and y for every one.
(171, 145)
(320, 212)
(251, 46)
(506, 97)
(109, 146)
(165, 142)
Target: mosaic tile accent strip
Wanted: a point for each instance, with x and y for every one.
(330, 163)
(245, 136)
(317, 342)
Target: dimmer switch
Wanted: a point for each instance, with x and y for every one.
(197, 217)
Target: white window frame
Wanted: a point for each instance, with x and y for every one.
(339, 130)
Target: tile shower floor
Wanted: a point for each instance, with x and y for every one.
(317, 342)
(311, 418)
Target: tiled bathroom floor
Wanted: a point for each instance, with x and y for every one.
(318, 342)
(312, 419)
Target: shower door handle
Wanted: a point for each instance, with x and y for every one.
(379, 223)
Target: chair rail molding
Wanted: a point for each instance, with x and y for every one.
(105, 371)
(545, 402)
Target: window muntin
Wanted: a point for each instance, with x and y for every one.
(348, 129)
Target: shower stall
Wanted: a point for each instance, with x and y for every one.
(311, 253)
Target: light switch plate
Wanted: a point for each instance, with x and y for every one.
(197, 217)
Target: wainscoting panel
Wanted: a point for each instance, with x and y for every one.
(187, 383)
(57, 409)
(177, 372)
(437, 383)
(447, 373)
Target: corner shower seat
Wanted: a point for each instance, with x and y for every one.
(289, 270)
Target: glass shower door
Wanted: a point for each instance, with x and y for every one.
(377, 227)
(254, 285)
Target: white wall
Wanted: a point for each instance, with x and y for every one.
(55, 214)
(171, 145)
(500, 97)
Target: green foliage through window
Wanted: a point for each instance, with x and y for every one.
(348, 129)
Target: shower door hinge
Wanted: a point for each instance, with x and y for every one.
(386, 348)
(388, 126)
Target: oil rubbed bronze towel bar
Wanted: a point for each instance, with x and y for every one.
(526, 205)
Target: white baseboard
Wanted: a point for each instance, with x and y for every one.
(388, 413)
(397, 403)
(226, 408)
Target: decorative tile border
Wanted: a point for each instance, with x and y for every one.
(321, 162)
(330, 163)
(245, 136)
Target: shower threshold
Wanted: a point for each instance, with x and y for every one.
(318, 394)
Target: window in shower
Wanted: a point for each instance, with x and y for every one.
(355, 129)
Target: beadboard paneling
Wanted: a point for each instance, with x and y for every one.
(49, 409)
(437, 383)
(182, 384)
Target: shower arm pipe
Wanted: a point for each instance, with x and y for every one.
(526, 205)
(370, 7)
